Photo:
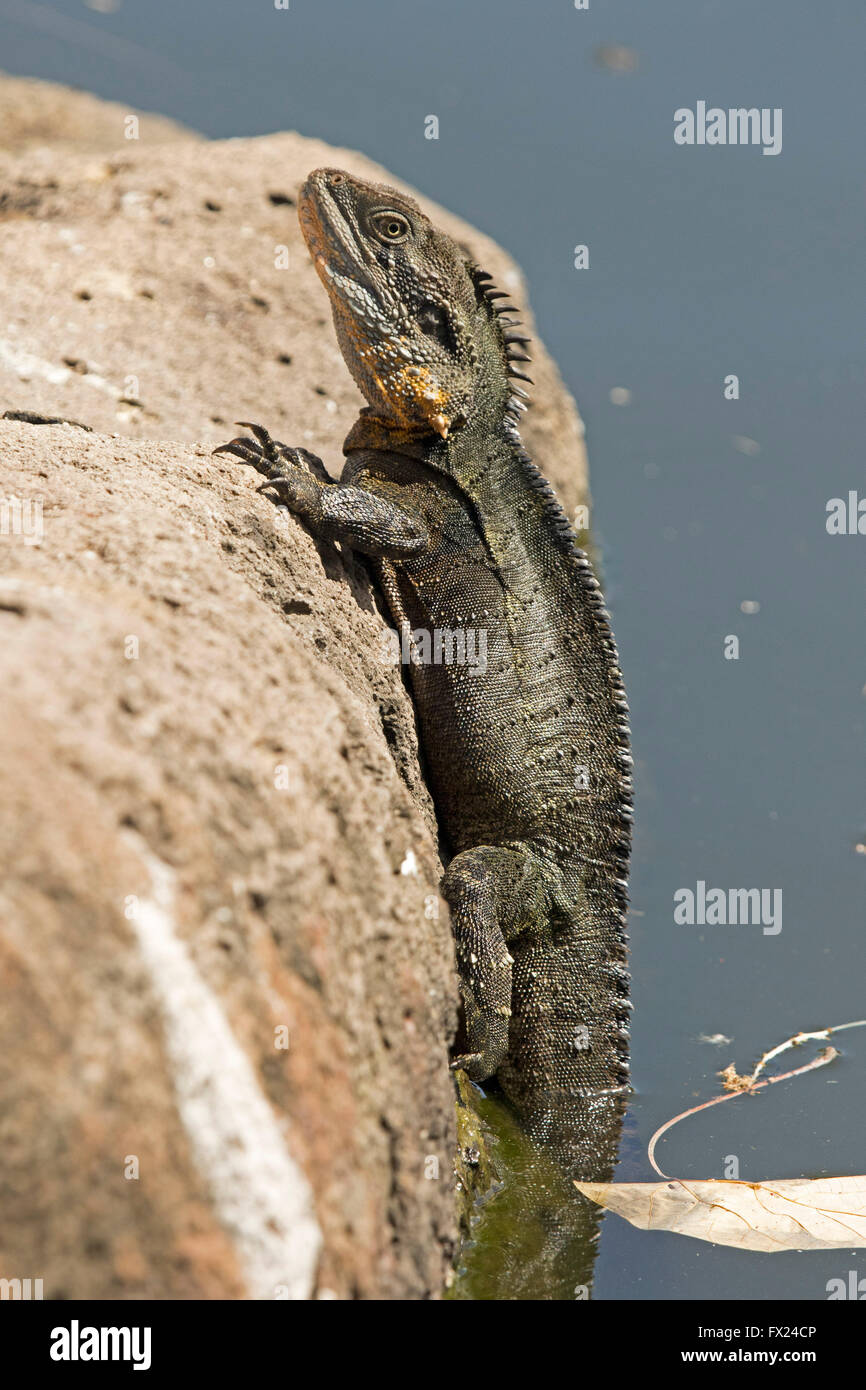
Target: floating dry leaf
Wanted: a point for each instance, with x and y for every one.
(792, 1214)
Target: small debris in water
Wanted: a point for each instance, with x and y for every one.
(744, 445)
(616, 57)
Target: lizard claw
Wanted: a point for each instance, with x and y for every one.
(272, 458)
(473, 1065)
(278, 482)
(260, 433)
(239, 447)
(262, 452)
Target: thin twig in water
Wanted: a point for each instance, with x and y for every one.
(751, 1083)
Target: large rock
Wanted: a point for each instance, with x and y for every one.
(227, 988)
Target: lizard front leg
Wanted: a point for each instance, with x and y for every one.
(355, 516)
(491, 893)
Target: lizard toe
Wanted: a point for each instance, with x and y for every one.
(475, 1065)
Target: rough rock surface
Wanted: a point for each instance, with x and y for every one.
(215, 839)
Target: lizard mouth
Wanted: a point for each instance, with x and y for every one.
(333, 237)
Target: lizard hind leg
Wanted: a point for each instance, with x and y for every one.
(487, 892)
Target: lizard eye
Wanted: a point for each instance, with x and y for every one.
(390, 226)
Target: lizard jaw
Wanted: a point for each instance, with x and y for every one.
(333, 243)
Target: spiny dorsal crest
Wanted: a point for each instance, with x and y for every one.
(513, 337)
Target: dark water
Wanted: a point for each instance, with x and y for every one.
(703, 262)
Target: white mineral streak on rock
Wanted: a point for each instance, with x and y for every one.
(261, 1197)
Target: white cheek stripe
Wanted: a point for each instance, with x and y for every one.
(261, 1196)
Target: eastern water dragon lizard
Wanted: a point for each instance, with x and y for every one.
(527, 752)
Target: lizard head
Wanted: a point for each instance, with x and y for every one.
(408, 313)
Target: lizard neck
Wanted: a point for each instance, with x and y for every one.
(486, 442)
(485, 432)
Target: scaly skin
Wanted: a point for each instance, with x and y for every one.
(528, 755)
